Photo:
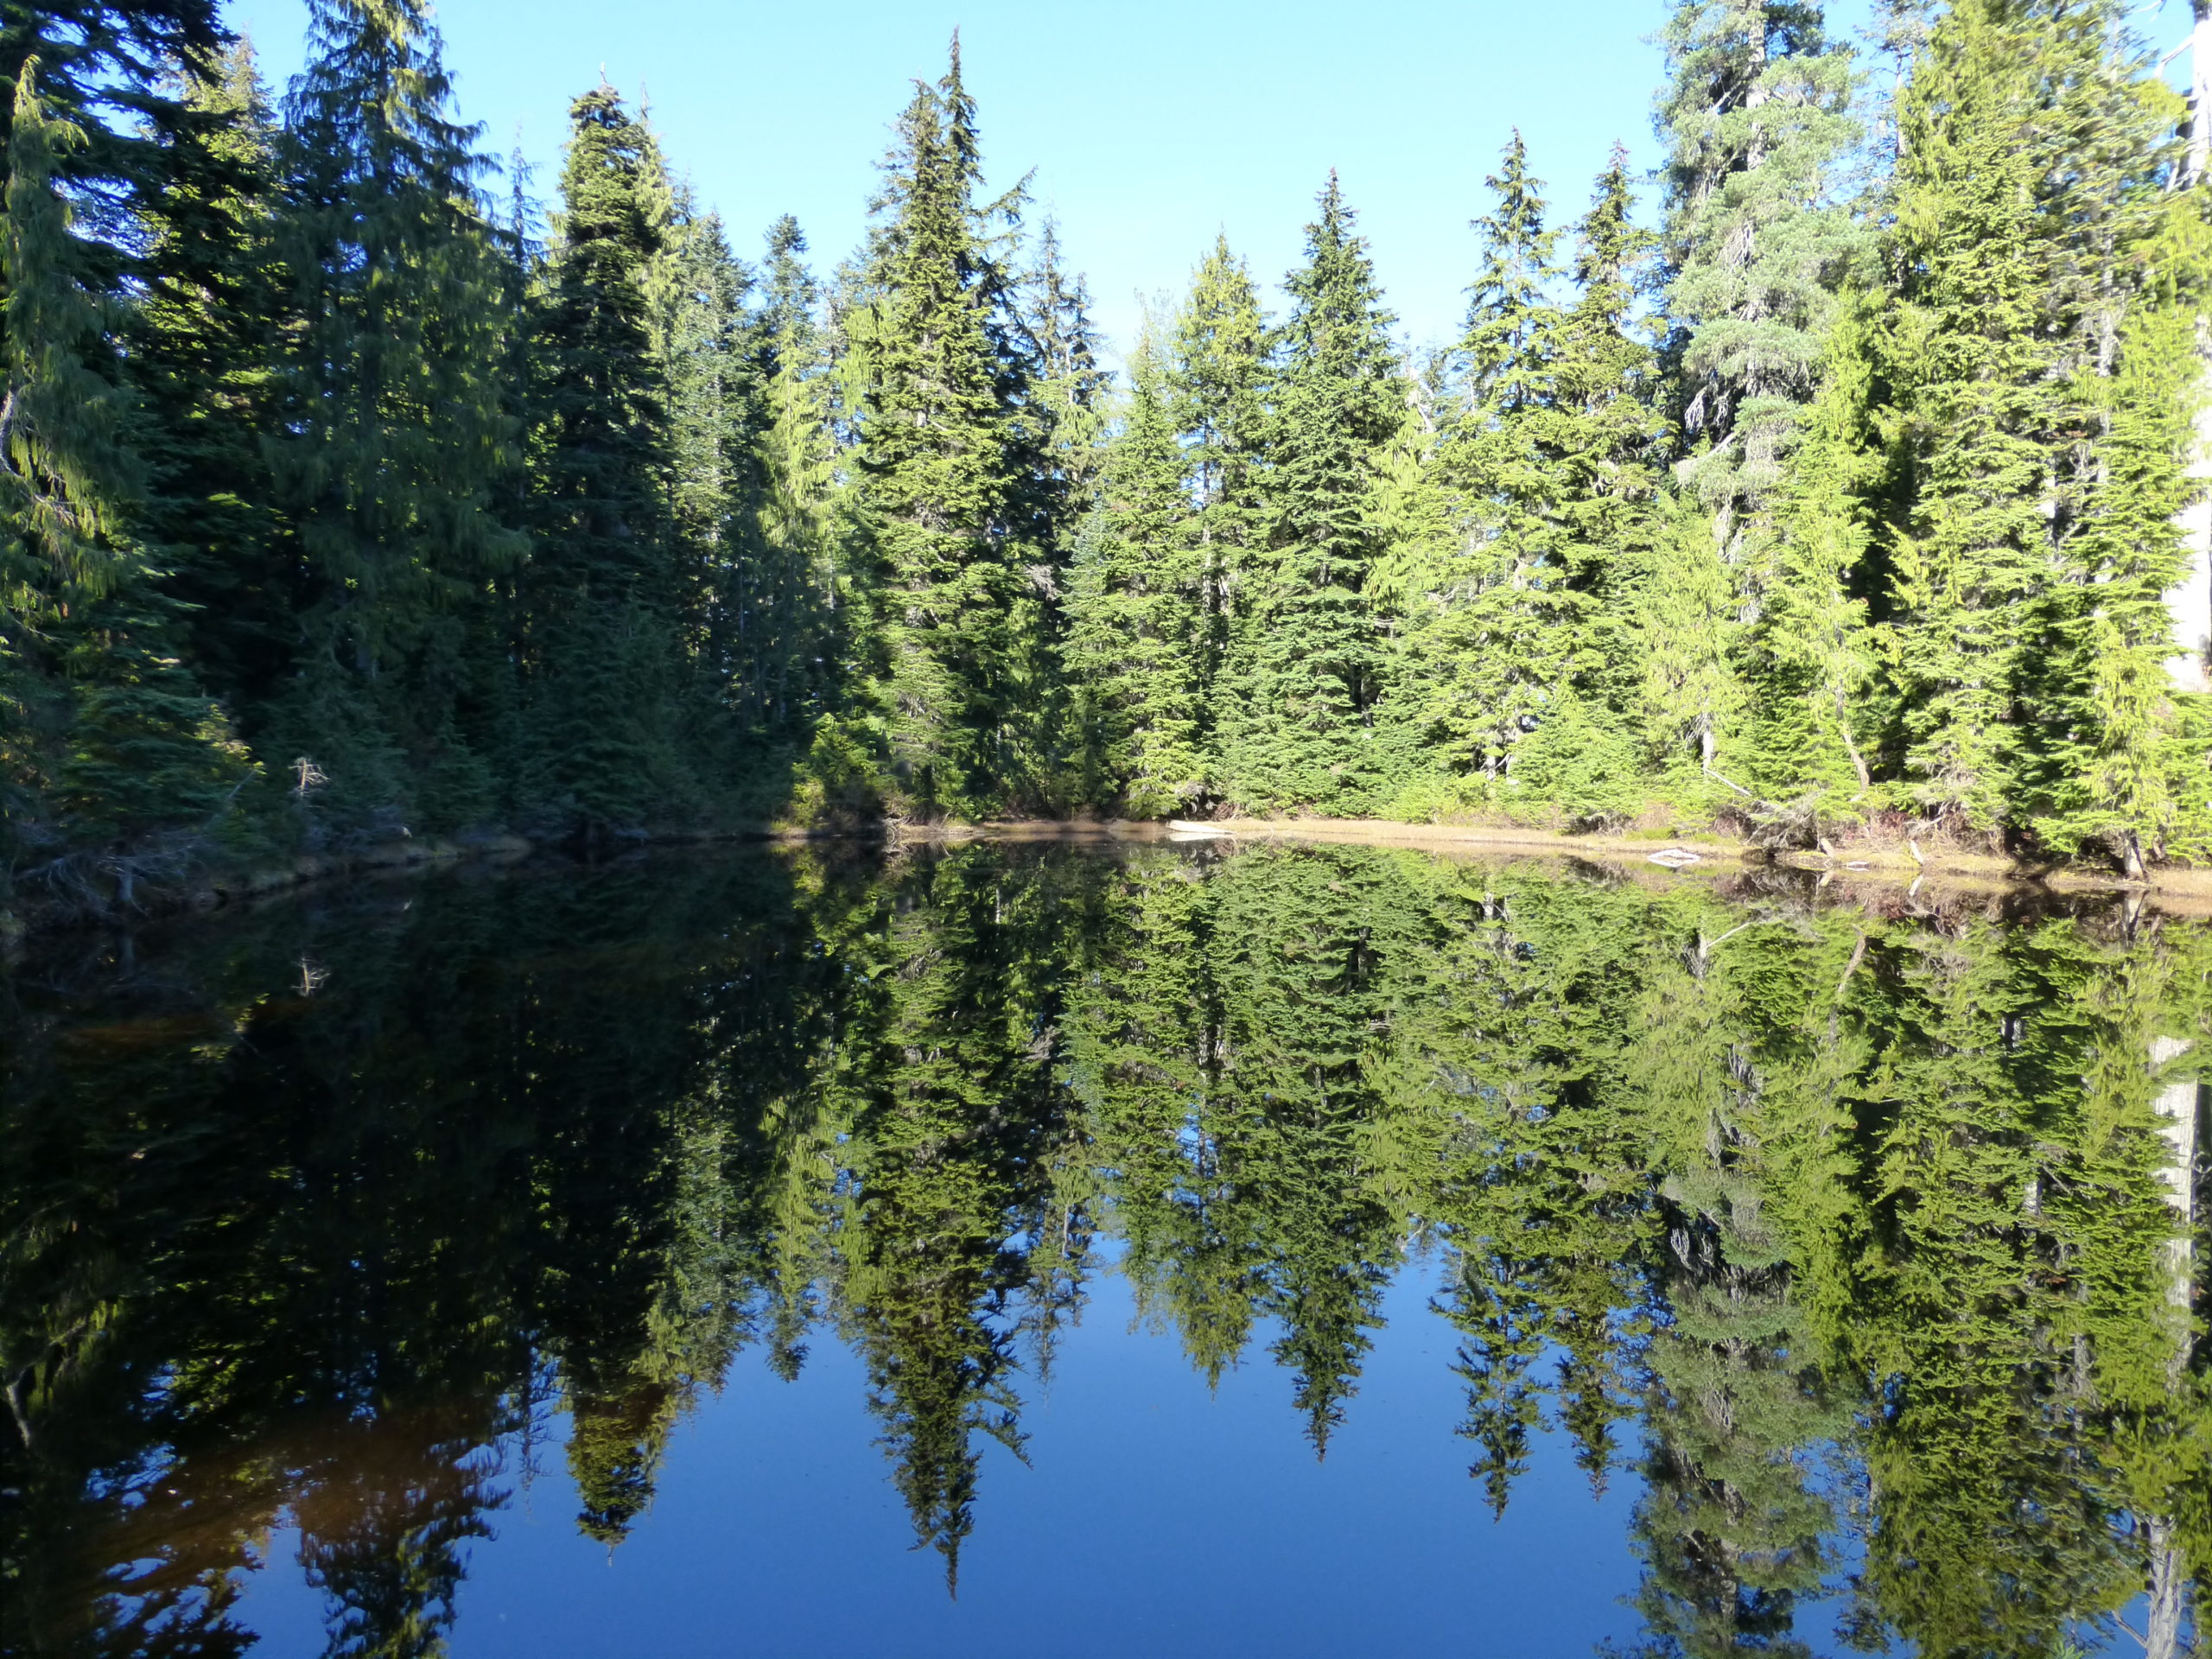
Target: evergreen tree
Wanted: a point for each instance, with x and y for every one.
(1068, 383)
(202, 347)
(2109, 734)
(2030, 201)
(737, 610)
(1507, 613)
(101, 725)
(1606, 439)
(603, 594)
(1219, 376)
(1311, 668)
(1137, 636)
(799, 516)
(1683, 623)
(1810, 659)
(939, 490)
(2111, 765)
(1755, 122)
(395, 427)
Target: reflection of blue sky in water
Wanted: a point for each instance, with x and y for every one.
(1154, 1518)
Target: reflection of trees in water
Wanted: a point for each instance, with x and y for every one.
(1864, 1227)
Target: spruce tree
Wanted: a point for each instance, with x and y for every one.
(1507, 606)
(1810, 659)
(733, 606)
(1137, 615)
(1219, 377)
(603, 594)
(2031, 203)
(1976, 382)
(1681, 621)
(1606, 439)
(2118, 760)
(2131, 285)
(1311, 669)
(1755, 118)
(106, 734)
(203, 347)
(1548, 472)
(940, 487)
(798, 517)
(1061, 452)
(1068, 383)
(395, 430)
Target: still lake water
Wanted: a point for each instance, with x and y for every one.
(1135, 1250)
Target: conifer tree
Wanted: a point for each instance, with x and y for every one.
(1137, 621)
(395, 428)
(101, 722)
(1606, 437)
(203, 346)
(1061, 451)
(603, 594)
(2111, 767)
(1755, 122)
(1810, 659)
(1548, 467)
(2112, 763)
(734, 606)
(1502, 636)
(1219, 375)
(2030, 199)
(938, 487)
(1068, 383)
(798, 517)
(1606, 441)
(1312, 665)
(1683, 624)
(1976, 380)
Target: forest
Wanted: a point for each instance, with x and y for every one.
(1860, 1237)
(1839, 478)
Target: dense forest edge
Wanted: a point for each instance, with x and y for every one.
(354, 499)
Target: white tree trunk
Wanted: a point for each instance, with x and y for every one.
(2177, 1106)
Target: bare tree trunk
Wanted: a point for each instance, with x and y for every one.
(1843, 730)
(2169, 1614)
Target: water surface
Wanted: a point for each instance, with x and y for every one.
(1120, 1250)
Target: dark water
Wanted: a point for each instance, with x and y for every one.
(1302, 1251)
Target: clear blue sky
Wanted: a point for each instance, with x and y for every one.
(1151, 124)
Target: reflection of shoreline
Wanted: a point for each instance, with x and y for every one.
(1874, 866)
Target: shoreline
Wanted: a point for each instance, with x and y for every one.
(2186, 891)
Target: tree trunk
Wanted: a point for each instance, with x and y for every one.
(2177, 1106)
